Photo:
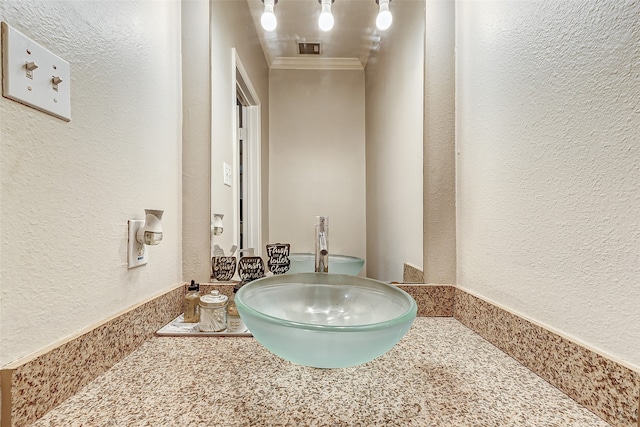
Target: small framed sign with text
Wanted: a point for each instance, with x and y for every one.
(250, 268)
(223, 267)
(278, 254)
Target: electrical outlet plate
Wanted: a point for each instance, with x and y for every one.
(34, 76)
(137, 253)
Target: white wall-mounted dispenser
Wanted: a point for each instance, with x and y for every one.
(216, 224)
(141, 233)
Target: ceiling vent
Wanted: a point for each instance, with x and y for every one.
(306, 48)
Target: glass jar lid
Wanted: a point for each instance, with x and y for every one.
(214, 299)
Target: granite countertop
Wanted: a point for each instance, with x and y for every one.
(440, 374)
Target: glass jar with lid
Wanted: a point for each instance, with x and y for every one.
(213, 312)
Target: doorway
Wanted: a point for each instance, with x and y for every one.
(247, 193)
(243, 174)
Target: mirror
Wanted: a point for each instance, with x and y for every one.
(340, 134)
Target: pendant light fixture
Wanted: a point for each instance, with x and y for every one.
(268, 18)
(325, 21)
(384, 19)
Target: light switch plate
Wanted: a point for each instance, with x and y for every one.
(137, 253)
(34, 76)
(227, 179)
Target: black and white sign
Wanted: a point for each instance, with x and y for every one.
(223, 267)
(250, 268)
(278, 254)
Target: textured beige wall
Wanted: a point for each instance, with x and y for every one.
(548, 165)
(317, 158)
(394, 120)
(196, 137)
(439, 144)
(68, 189)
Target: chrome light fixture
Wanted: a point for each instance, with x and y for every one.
(268, 18)
(326, 21)
(384, 19)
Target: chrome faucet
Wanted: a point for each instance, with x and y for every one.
(322, 244)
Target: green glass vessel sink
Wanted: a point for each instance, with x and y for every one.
(325, 320)
(338, 264)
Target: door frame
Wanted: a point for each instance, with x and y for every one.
(242, 84)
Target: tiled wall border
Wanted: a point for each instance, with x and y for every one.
(31, 387)
(603, 386)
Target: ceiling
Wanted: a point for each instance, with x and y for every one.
(346, 46)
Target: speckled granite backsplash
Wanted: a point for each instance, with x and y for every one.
(607, 388)
(32, 387)
(412, 274)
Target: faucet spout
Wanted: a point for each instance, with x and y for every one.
(322, 244)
